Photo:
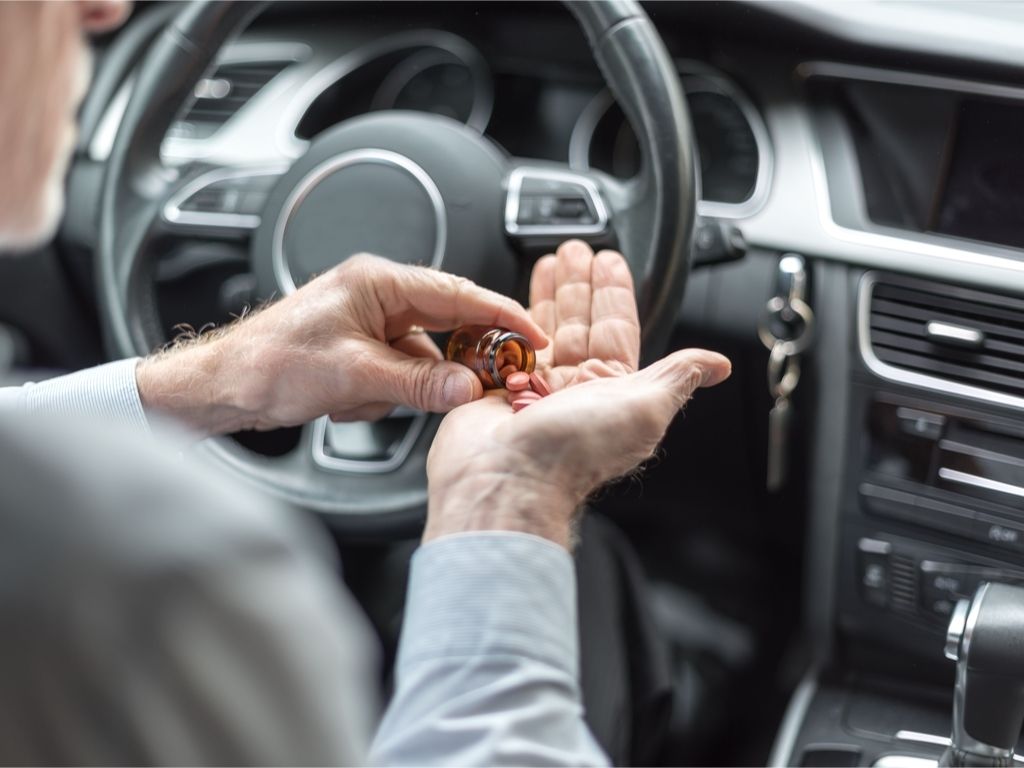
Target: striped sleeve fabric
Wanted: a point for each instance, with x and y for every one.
(107, 392)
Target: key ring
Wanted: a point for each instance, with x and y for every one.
(776, 306)
(783, 371)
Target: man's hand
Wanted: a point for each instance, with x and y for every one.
(492, 469)
(348, 344)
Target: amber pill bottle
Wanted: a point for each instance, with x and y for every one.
(492, 353)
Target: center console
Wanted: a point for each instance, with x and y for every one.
(928, 506)
(916, 475)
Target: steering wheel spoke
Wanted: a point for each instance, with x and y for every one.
(218, 201)
(545, 201)
(414, 187)
(372, 473)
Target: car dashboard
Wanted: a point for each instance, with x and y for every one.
(882, 149)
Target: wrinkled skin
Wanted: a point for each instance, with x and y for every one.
(528, 471)
(340, 345)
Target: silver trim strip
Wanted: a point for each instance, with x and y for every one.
(976, 481)
(282, 272)
(173, 214)
(933, 247)
(796, 712)
(238, 52)
(422, 60)
(954, 446)
(714, 81)
(923, 738)
(939, 741)
(515, 184)
(955, 333)
(904, 761)
(954, 633)
(842, 71)
(345, 65)
(355, 466)
(911, 378)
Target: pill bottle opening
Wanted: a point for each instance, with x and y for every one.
(492, 354)
(509, 353)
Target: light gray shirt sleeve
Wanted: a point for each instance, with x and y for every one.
(487, 669)
(487, 672)
(108, 392)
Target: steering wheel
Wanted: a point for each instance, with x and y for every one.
(417, 187)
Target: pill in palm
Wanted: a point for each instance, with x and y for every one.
(525, 395)
(517, 381)
(539, 385)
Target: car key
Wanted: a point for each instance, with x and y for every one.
(786, 330)
(783, 376)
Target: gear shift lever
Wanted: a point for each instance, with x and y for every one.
(986, 639)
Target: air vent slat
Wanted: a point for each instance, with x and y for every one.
(1011, 364)
(958, 299)
(925, 315)
(904, 583)
(960, 373)
(245, 80)
(898, 312)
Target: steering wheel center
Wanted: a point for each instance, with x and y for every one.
(416, 188)
(371, 200)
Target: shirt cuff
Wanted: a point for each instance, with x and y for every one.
(491, 593)
(106, 391)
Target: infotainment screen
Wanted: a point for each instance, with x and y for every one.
(983, 194)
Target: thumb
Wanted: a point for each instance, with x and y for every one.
(424, 384)
(683, 372)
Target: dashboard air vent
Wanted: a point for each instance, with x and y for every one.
(943, 337)
(221, 94)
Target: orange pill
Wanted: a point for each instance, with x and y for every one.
(517, 381)
(539, 385)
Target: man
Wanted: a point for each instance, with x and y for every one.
(150, 612)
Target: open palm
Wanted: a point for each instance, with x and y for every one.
(604, 415)
(586, 306)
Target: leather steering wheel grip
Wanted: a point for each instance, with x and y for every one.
(653, 218)
(134, 179)
(657, 234)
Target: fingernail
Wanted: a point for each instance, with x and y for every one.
(457, 390)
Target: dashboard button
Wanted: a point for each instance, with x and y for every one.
(943, 584)
(873, 570)
(999, 532)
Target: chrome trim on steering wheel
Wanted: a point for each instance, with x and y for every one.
(356, 466)
(711, 81)
(173, 214)
(515, 185)
(282, 272)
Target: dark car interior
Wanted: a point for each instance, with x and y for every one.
(783, 575)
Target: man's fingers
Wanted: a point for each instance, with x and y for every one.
(542, 293)
(682, 372)
(614, 323)
(417, 344)
(424, 384)
(572, 302)
(441, 301)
